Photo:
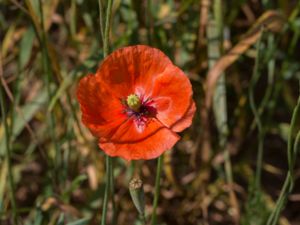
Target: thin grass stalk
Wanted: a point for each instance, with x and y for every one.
(294, 41)
(281, 200)
(293, 150)
(46, 68)
(271, 74)
(107, 189)
(294, 13)
(101, 19)
(214, 33)
(215, 40)
(16, 100)
(107, 28)
(256, 114)
(9, 133)
(73, 18)
(296, 145)
(270, 86)
(157, 189)
(73, 114)
(66, 155)
(8, 152)
(112, 188)
(109, 170)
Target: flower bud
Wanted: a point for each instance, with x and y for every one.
(137, 194)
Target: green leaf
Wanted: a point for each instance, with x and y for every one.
(3, 176)
(38, 217)
(28, 112)
(61, 219)
(83, 221)
(74, 185)
(26, 47)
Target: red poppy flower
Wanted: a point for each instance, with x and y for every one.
(136, 102)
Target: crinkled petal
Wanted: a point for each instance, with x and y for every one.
(132, 69)
(102, 113)
(186, 120)
(172, 95)
(132, 131)
(149, 148)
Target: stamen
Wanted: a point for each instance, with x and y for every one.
(139, 109)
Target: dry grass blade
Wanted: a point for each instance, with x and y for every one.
(22, 8)
(52, 202)
(271, 21)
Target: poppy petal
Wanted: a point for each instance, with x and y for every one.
(132, 69)
(186, 120)
(172, 94)
(149, 148)
(101, 111)
(132, 131)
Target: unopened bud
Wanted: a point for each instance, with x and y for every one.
(137, 194)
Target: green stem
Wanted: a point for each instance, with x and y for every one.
(143, 219)
(47, 70)
(109, 173)
(112, 188)
(215, 49)
(293, 149)
(101, 19)
(254, 109)
(270, 86)
(108, 160)
(157, 189)
(8, 153)
(107, 28)
(295, 117)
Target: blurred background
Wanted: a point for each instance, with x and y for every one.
(229, 166)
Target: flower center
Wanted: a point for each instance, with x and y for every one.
(141, 110)
(133, 101)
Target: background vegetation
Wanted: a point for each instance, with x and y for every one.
(235, 165)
